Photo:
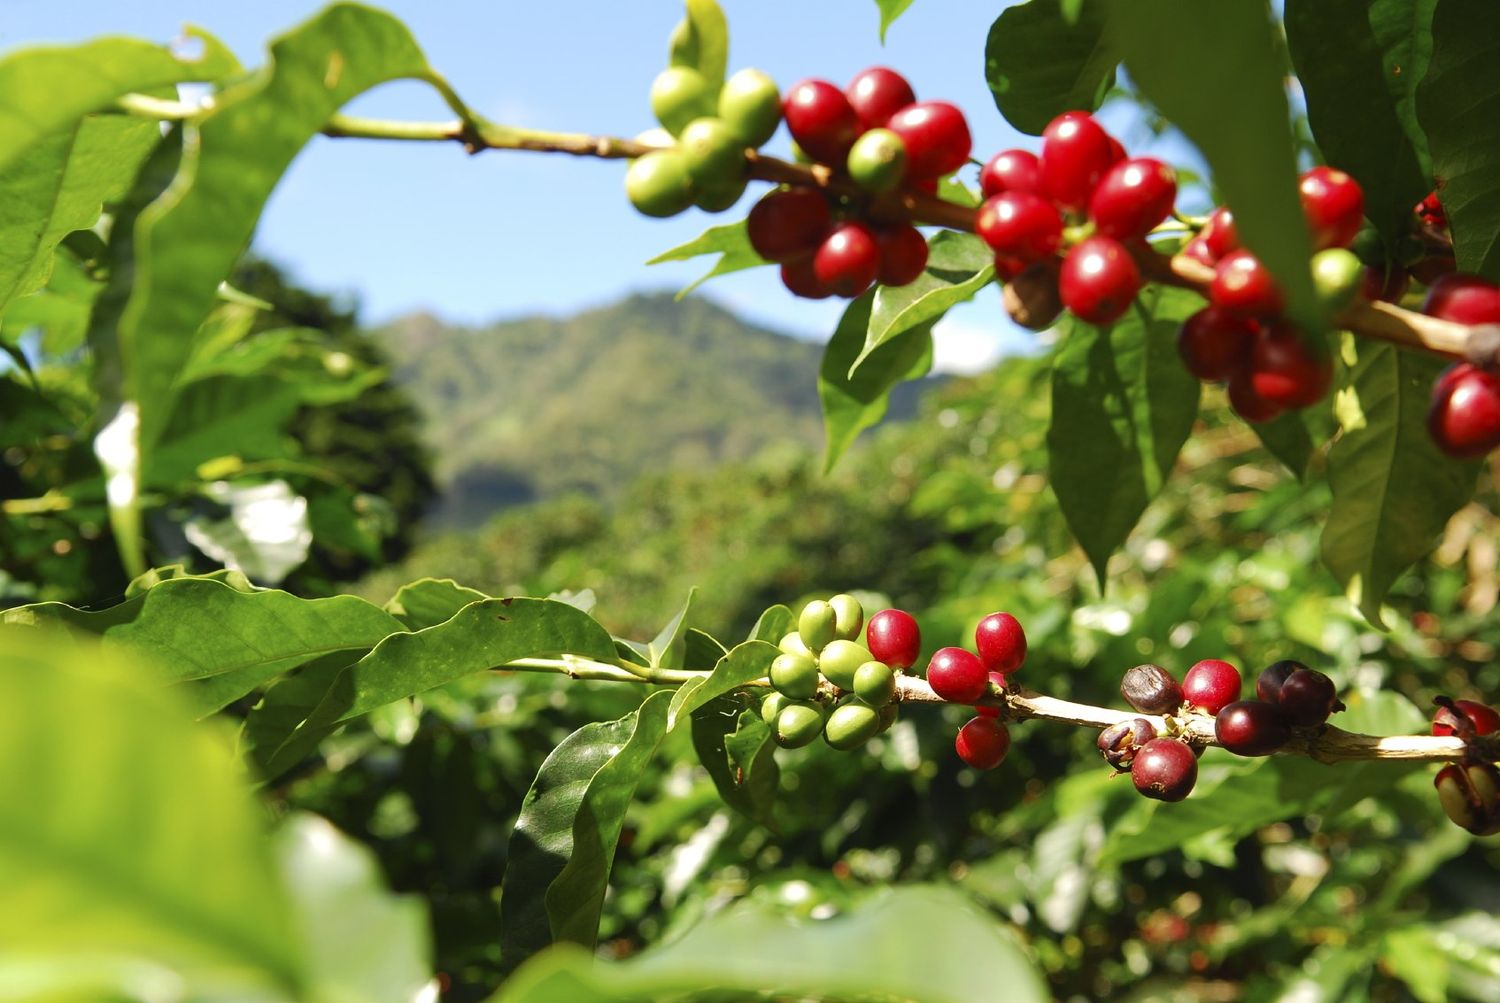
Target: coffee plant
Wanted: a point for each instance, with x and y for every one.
(166, 742)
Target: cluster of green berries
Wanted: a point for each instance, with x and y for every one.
(967, 677)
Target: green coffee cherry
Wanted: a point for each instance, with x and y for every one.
(877, 161)
(680, 94)
(841, 659)
(771, 706)
(657, 137)
(658, 184)
(851, 724)
(795, 675)
(792, 644)
(798, 724)
(718, 198)
(817, 625)
(1336, 277)
(750, 105)
(714, 155)
(874, 683)
(848, 616)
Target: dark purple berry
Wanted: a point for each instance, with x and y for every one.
(1119, 743)
(1164, 769)
(1251, 728)
(1308, 697)
(1268, 683)
(1151, 689)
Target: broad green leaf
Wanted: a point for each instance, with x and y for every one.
(1216, 72)
(959, 947)
(699, 648)
(958, 266)
(1040, 63)
(852, 404)
(1393, 490)
(665, 650)
(1286, 437)
(1458, 104)
(730, 241)
(1122, 406)
(774, 624)
(701, 41)
(1356, 82)
(889, 11)
(566, 816)
(428, 602)
(745, 664)
(736, 748)
(1403, 31)
(228, 577)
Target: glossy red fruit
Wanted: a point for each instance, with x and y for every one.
(1199, 251)
(1307, 697)
(1334, 205)
(893, 637)
(1020, 225)
(788, 224)
(1380, 284)
(848, 259)
(957, 676)
(1251, 728)
(800, 279)
(1011, 171)
(1076, 153)
(903, 254)
(1430, 209)
(936, 137)
(1464, 416)
(1248, 404)
(1463, 299)
(1219, 233)
(1485, 719)
(1008, 267)
(1164, 769)
(1268, 684)
(1116, 150)
(1099, 280)
(982, 743)
(1243, 285)
(1211, 684)
(1215, 344)
(1286, 369)
(1001, 643)
(997, 679)
(821, 120)
(1132, 197)
(876, 94)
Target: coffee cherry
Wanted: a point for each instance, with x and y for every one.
(1307, 697)
(841, 660)
(848, 259)
(1485, 720)
(877, 160)
(1030, 297)
(851, 724)
(997, 682)
(788, 224)
(1119, 743)
(1470, 796)
(875, 683)
(1211, 684)
(1220, 234)
(1099, 280)
(1268, 684)
(1076, 153)
(1199, 251)
(1251, 728)
(1464, 416)
(876, 94)
(1248, 404)
(658, 184)
(1384, 284)
(821, 120)
(801, 280)
(771, 707)
(957, 676)
(1132, 197)
(1286, 369)
(1020, 225)
(1164, 769)
(816, 625)
(1151, 689)
(795, 675)
(1334, 205)
(1431, 211)
(1001, 643)
(894, 638)
(903, 254)
(750, 106)
(792, 644)
(848, 616)
(982, 743)
(798, 724)
(936, 136)
(1215, 344)
(1463, 299)
(680, 94)
(1011, 171)
(720, 197)
(1337, 277)
(1242, 285)
(712, 153)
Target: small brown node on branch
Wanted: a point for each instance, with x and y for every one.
(1483, 347)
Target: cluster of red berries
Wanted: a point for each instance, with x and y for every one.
(966, 677)
(876, 133)
(1464, 417)
(1469, 791)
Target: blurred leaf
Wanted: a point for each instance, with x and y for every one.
(264, 531)
(702, 41)
(1286, 437)
(854, 403)
(430, 601)
(665, 650)
(1410, 954)
(1040, 62)
(958, 266)
(730, 241)
(736, 748)
(774, 624)
(889, 11)
(747, 662)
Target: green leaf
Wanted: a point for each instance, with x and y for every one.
(1122, 406)
(730, 241)
(665, 650)
(1040, 63)
(889, 11)
(774, 624)
(1412, 955)
(1458, 103)
(702, 41)
(958, 266)
(736, 748)
(1357, 82)
(1216, 71)
(428, 602)
(1287, 438)
(563, 844)
(745, 664)
(959, 947)
(853, 403)
(1393, 490)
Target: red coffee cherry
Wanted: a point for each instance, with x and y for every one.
(1020, 225)
(1211, 684)
(1164, 769)
(1133, 197)
(957, 676)
(903, 254)
(1199, 251)
(1248, 404)
(1464, 417)
(848, 259)
(1268, 684)
(1001, 643)
(1116, 151)
(1244, 286)
(821, 120)
(936, 137)
(1219, 233)
(1334, 205)
(1484, 719)
(1011, 171)
(997, 679)
(893, 637)
(1307, 697)
(1286, 370)
(1430, 209)
(1470, 796)
(1251, 728)
(1119, 743)
(1151, 689)
(1076, 153)
(1463, 299)
(982, 743)
(876, 94)
(788, 224)
(802, 280)
(1215, 344)
(1099, 280)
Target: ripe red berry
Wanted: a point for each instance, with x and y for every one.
(848, 259)
(802, 280)
(1464, 417)
(1199, 251)
(1430, 209)
(788, 224)
(1334, 205)
(936, 137)
(957, 676)
(1164, 769)
(1116, 151)
(1485, 719)
(982, 743)
(1215, 344)
(1132, 197)
(1001, 643)
(1219, 233)
(1011, 171)
(1268, 684)
(1211, 684)
(1251, 728)
(876, 94)
(1076, 152)
(1463, 299)
(1286, 369)
(821, 120)
(998, 679)
(903, 254)
(1020, 225)
(1243, 285)
(1248, 404)
(1099, 280)
(1307, 697)
(893, 637)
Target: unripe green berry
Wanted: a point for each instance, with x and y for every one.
(817, 625)
(714, 155)
(875, 683)
(851, 724)
(841, 659)
(792, 644)
(772, 706)
(680, 94)
(718, 198)
(1336, 277)
(877, 161)
(848, 616)
(751, 106)
(798, 724)
(795, 675)
(658, 184)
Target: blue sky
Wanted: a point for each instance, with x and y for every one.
(424, 227)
